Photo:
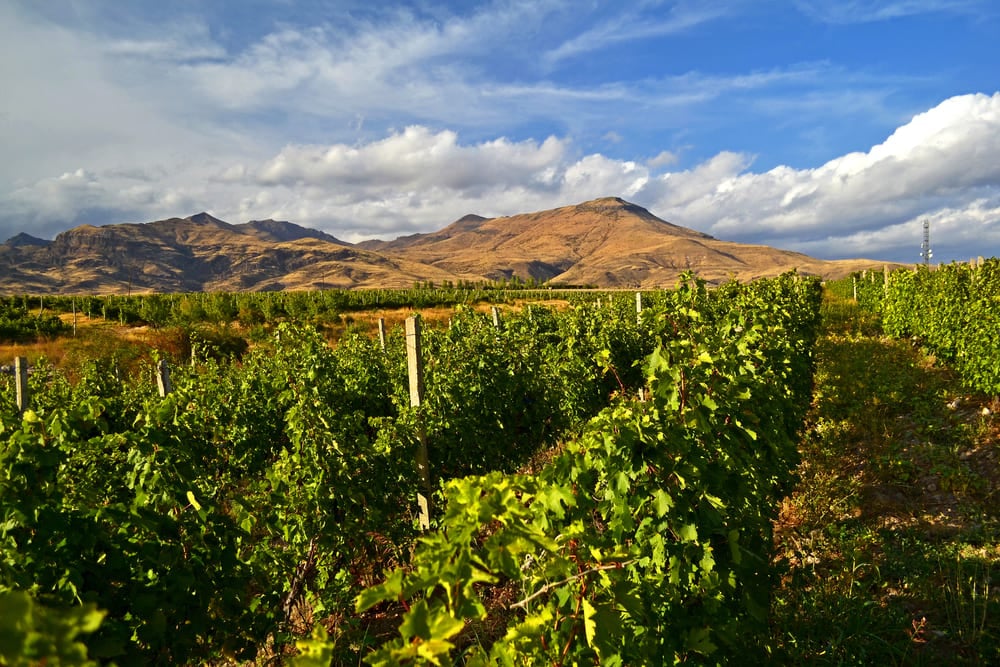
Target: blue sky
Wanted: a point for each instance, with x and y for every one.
(833, 128)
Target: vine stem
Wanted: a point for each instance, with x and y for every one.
(555, 584)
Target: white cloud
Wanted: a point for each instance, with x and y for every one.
(943, 166)
(633, 26)
(941, 160)
(844, 12)
(415, 158)
(663, 159)
(132, 120)
(960, 233)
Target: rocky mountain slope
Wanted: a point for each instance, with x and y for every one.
(605, 242)
(199, 253)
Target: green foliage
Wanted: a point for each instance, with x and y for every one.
(18, 325)
(253, 308)
(646, 539)
(954, 311)
(280, 479)
(33, 634)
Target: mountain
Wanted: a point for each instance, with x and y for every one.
(199, 253)
(21, 240)
(606, 242)
(280, 231)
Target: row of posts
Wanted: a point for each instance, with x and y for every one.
(415, 375)
(975, 263)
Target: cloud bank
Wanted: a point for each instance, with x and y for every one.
(378, 121)
(942, 166)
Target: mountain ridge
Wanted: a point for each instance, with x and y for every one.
(606, 242)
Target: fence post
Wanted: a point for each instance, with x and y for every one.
(854, 284)
(163, 378)
(381, 332)
(415, 373)
(496, 316)
(21, 381)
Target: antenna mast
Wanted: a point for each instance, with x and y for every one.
(925, 247)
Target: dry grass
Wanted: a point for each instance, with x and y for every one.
(888, 544)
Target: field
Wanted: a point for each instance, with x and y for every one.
(736, 473)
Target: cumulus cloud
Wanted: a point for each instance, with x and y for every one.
(663, 159)
(940, 161)
(942, 166)
(415, 158)
(942, 152)
(399, 120)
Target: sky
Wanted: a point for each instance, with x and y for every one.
(832, 128)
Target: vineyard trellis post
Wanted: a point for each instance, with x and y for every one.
(638, 306)
(21, 382)
(381, 332)
(415, 373)
(496, 316)
(163, 378)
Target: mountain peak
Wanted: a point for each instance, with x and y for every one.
(468, 222)
(612, 204)
(280, 231)
(22, 239)
(607, 201)
(204, 218)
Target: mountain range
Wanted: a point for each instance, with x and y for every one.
(606, 242)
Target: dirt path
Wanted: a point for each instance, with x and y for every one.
(891, 543)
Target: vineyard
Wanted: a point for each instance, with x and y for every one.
(603, 479)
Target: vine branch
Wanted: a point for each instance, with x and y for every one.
(579, 575)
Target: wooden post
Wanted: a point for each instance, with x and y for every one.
(854, 284)
(415, 372)
(381, 332)
(163, 378)
(21, 380)
(638, 306)
(496, 316)
(74, 316)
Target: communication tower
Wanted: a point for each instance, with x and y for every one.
(925, 247)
